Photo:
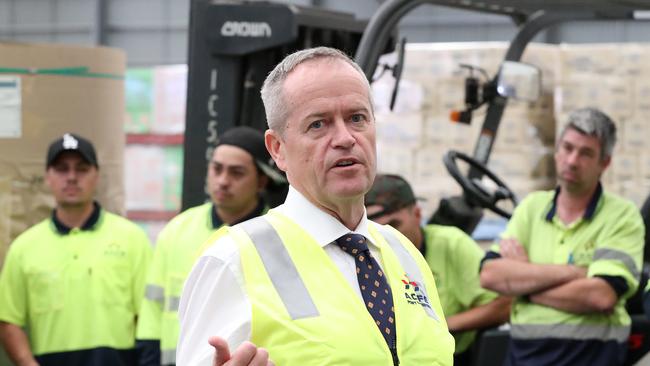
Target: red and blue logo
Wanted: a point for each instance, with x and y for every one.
(414, 294)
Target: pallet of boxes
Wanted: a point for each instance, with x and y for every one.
(413, 138)
(46, 91)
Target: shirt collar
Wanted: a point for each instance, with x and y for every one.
(217, 222)
(323, 227)
(90, 223)
(591, 207)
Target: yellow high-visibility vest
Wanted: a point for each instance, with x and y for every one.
(304, 312)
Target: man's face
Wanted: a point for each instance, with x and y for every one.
(328, 146)
(578, 161)
(233, 180)
(72, 180)
(406, 220)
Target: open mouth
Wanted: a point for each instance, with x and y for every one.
(344, 163)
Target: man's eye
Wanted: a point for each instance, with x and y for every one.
(316, 125)
(587, 153)
(358, 118)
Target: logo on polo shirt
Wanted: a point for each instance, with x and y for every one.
(114, 250)
(583, 254)
(414, 294)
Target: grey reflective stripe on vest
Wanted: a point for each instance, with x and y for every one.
(168, 357)
(280, 268)
(173, 303)
(408, 263)
(602, 332)
(155, 293)
(608, 254)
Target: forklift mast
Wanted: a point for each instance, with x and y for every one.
(233, 45)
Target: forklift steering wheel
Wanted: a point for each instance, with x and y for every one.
(474, 189)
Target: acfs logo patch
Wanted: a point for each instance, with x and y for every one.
(414, 294)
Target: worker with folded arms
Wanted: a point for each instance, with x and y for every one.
(571, 256)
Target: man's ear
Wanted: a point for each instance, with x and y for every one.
(48, 178)
(275, 146)
(417, 212)
(605, 162)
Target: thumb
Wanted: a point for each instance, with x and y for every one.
(221, 350)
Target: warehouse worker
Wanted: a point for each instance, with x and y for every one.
(73, 281)
(313, 282)
(237, 176)
(453, 257)
(572, 257)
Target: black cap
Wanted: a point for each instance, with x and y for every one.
(71, 142)
(391, 192)
(252, 141)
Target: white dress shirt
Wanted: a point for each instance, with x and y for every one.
(214, 300)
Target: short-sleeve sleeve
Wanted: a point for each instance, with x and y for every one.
(13, 293)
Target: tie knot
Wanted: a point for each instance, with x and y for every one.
(353, 244)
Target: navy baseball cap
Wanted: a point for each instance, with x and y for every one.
(252, 141)
(71, 142)
(391, 192)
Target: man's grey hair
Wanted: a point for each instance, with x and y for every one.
(593, 122)
(275, 105)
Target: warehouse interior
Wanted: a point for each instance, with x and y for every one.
(131, 61)
(154, 37)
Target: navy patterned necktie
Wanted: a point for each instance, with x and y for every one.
(372, 282)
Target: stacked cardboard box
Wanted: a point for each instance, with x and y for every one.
(612, 77)
(155, 116)
(414, 137)
(155, 99)
(47, 90)
(158, 187)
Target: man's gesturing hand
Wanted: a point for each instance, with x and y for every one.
(247, 354)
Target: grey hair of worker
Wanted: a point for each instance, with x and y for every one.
(593, 122)
(275, 105)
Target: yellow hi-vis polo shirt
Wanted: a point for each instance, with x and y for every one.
(454, 259)
(179, 244)
(78, 291)
(608, 240)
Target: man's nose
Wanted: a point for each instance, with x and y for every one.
(71, 174)
(223, 178)
(342, 135)
(572, 158)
